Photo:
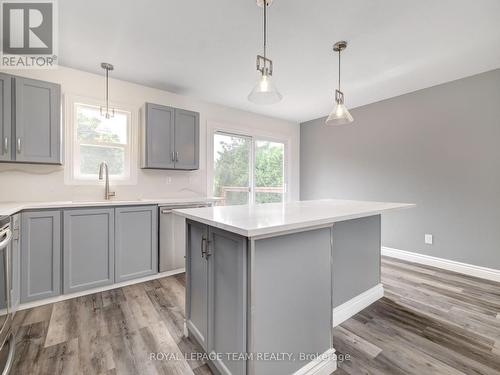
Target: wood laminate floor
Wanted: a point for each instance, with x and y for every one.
(429, 322)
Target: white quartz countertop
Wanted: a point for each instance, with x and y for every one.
(10, 208)
(272, 218)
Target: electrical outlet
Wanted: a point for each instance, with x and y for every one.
(428, 239)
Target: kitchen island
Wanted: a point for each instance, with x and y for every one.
(265, 284)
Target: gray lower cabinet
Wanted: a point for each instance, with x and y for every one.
(37, 121)
(170, 138)
(40, 255)
(5, 117)
(136, 242)
(216, 302)
(227, 302)
(89, 248)
(197, 287)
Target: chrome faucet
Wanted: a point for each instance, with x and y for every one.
(102, 168)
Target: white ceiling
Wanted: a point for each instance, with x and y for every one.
(207, 49)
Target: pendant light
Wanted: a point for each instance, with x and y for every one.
(264, 91)
(107, 114)
(340, 115)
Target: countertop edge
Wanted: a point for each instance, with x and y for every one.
(280, 229)
(15, 207)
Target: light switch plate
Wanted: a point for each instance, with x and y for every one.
(428, 239)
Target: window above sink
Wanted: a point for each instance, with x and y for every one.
(93, 139)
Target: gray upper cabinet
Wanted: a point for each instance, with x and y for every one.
(187, 142)
(37, 121)
(136, 242)
(5, 117)
(89, 248)
(40, 255)
(171, 138)
(158, 137)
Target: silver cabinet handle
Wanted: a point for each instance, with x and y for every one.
(203, 248)
(5, 145)
(177, 156)
(172, 156)
(18, 145)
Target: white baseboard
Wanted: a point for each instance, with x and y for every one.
(449, 265)
(353, 306)
(63, 297)
(324, 364)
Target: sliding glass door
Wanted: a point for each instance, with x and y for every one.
(248, 170)
(232, 168)
(269, 171)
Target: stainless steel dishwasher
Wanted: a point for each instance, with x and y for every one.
(173, 236)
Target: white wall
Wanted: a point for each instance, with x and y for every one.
(37, 182)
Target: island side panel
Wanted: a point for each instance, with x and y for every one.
(356, 257)
(291, 298)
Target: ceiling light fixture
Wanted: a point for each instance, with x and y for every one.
(107, 67)
(264, 91)
(340, 115)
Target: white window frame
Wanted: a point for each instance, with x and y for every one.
(216, 127)
(72, 176)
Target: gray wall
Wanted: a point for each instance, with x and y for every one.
(438, 148)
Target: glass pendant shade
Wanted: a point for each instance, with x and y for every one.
(340, 115)
(265, 92)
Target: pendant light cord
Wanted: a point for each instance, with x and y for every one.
(339, 70)
(265, 27)
(107, 91)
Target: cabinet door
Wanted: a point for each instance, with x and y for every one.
(159, 137)
(227, 323)
(15, 286)
(38, 122)
(5, 117)
(89, 248)
(197, 282)
(136, 237)
(40, 255)
(187, 139)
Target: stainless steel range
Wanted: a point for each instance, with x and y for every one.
(7, 342)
